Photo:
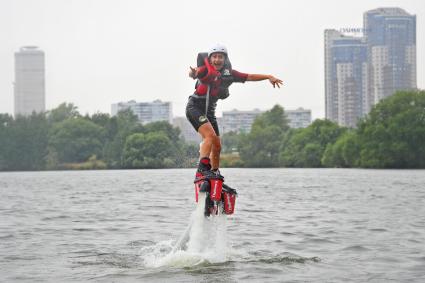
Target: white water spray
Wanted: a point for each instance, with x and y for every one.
(204, 240)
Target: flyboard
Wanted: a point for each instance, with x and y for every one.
(219, 198)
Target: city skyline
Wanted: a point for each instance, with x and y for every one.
(100, 53)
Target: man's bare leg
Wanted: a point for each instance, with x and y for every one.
(208, 139)
(215, 154)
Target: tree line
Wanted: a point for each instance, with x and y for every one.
(64, 139)
(392, 135)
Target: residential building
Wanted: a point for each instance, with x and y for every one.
(146, 112)
(238, 121)
(299, 118)
(241, 121)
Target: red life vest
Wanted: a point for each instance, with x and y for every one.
(219, 81)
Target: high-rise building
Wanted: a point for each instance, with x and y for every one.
(346, 80)
(146, 112)
(391, 38)
(29, 85)
(331, 96)
(299, 118)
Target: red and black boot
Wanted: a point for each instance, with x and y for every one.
(204, 169)
(203, 185)
(201, 177)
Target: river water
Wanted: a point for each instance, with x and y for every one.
(290, 225)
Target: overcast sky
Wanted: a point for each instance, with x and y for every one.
(100, 52)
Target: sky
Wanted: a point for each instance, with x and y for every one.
(100, 52)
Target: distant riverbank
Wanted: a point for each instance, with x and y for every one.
(391, 136)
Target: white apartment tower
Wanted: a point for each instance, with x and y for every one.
(29, 85)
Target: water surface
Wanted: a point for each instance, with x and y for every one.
(297, 225)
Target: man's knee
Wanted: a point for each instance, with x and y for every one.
(209, 139)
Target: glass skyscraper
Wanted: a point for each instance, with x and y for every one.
(346, 82)
(391, 37)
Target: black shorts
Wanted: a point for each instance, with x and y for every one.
(195, 113)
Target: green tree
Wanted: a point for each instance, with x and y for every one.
(23, 142)
(5, 121)
(230, 142)
(75, 140)
(117, 131)
(306, 146)
(260, 148)
(151, 150)
(180, 152)
(173, 133)
(393, 134)
(100, 119)
(63, 112)
(344, 152)
(273, 117)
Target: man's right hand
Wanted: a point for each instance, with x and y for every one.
(193, 73)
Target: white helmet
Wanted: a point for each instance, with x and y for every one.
(218, 48)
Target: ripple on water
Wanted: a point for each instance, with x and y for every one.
(83, 229)
(378, 230)
(21, 257)
(140, 243)
(287, 233)
(286, 259)
(49, 218)
(265, 256)
(7, 236)
(357, 248)
(108, 259)
(318, 241)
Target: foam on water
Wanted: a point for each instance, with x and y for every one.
(204, 240)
